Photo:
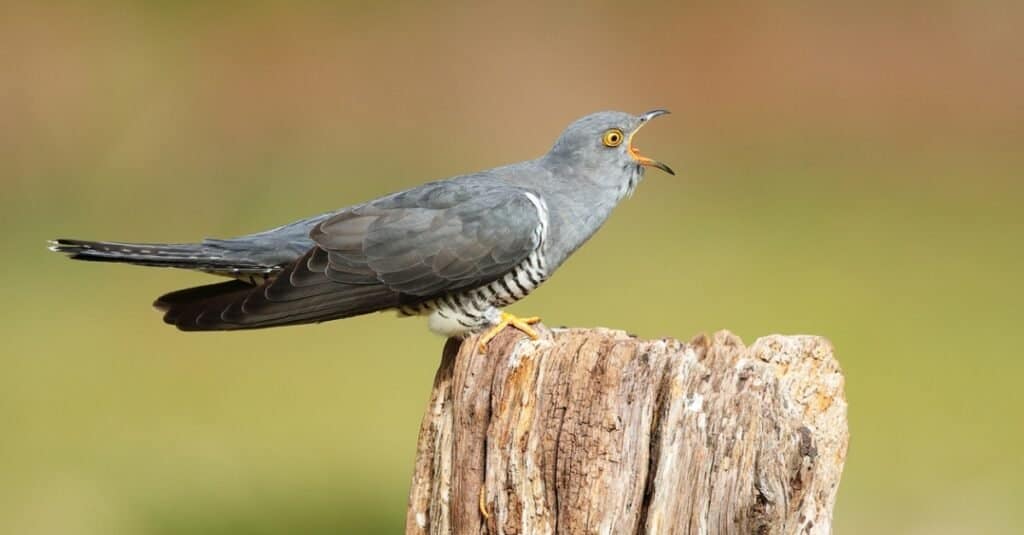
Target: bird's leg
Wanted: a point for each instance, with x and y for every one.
(523, 324)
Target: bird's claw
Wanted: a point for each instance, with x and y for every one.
(523, 324)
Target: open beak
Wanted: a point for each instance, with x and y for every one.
(643, 160)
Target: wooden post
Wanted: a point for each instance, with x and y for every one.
(595, 431)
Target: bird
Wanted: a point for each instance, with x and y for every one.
(456, 250)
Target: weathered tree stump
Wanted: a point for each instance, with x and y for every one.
(595, 431)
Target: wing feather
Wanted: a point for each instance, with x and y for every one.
(401, 249)
(433, 243)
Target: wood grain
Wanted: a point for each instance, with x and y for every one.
(595, 431)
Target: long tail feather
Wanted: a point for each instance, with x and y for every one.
(196, 256)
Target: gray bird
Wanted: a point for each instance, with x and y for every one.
(455, 250)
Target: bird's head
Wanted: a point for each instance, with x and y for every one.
(601, 147)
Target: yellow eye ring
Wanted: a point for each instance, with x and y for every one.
(612, 138)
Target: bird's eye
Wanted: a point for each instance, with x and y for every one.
(612, 138)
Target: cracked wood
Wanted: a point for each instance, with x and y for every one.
(594, 431)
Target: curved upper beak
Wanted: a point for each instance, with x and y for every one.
(652, 114)
(643, 160)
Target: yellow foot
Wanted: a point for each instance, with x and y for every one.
(523, 324)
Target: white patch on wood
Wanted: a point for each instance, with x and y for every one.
(695, 403)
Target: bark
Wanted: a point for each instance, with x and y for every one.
(595, 431)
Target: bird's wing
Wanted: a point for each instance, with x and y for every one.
(433, 240)
(400, 249)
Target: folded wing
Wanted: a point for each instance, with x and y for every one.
(398, 250)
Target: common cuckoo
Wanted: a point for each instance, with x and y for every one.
(455, 250)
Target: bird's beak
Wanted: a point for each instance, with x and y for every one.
(643, 160)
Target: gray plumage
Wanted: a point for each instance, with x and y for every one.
(456, 249)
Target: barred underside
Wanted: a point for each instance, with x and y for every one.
(475, 309)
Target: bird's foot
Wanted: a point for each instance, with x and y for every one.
(523, 324)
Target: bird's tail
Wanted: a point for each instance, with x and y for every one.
(197, 256)
(301, 293)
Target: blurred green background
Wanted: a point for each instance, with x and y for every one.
(850, 170)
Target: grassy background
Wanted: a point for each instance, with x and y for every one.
(851, 171)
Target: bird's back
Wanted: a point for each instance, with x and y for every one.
(463, 246)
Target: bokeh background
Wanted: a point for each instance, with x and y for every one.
(845, 169)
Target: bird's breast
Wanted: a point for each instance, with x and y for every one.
(475, 309)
